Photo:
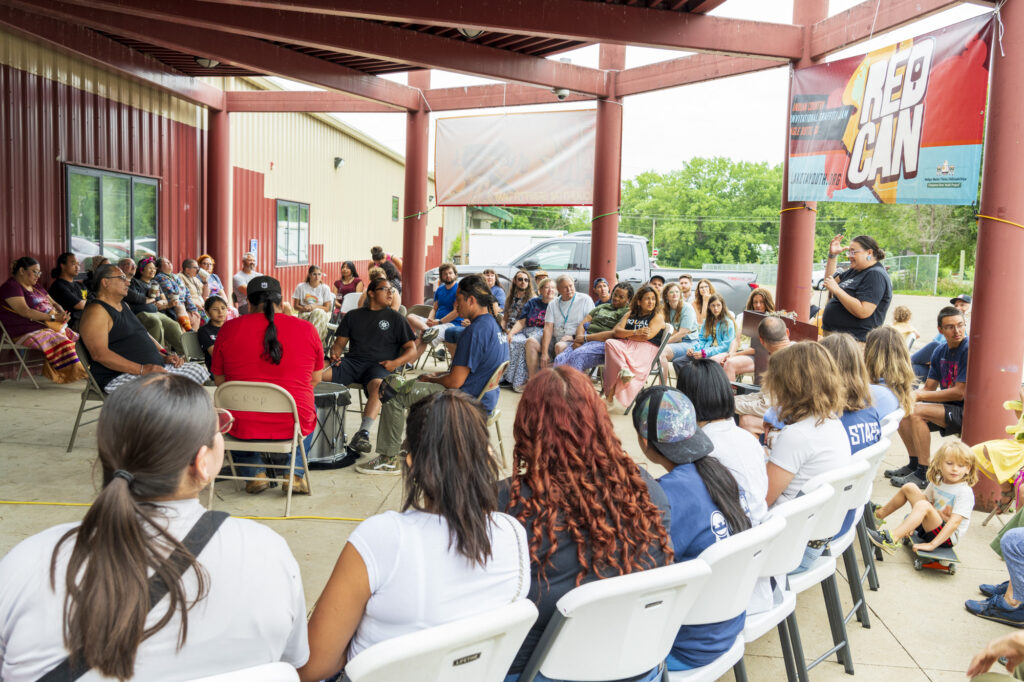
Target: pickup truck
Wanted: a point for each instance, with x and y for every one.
(571, 255)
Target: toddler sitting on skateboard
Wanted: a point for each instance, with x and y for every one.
(941, 513)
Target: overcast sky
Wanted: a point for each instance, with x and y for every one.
(742, 117)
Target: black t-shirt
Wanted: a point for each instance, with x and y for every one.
(68, 295)
(374, 335)
(871, 285)
(129, 339)
(561, 571)
(207, 337)
(138, 292)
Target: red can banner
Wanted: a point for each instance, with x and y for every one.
(900, 125)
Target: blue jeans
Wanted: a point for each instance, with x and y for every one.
(922, 358)
(1012, 546)
(653, 676)
(250, 463)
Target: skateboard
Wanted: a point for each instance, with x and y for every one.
(942, 559)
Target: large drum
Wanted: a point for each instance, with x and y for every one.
(328, 447)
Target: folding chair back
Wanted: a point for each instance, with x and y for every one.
(92, 391)
(784, 553)
(495, 379)
(735, 564)
(656, 369)
(873, 455)
(268, 672)
(351, 301)
(845, 482)
(891, 422)
(7, 343)
(190, 344)
(264, 398)
(475, 649)
(617, 627)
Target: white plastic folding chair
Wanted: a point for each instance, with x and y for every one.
(873, 455)
(783, 555)
(823, 570)
(475, 649)
(891, 422)
(618, 627)
(266, 398)
(268, 672)
(7, 343)
(735, 564)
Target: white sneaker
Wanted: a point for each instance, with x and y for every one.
(382, 465)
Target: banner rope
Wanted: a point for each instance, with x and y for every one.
(605, 215)
(797, 208)
(258, 518)
(1002, 29)
(999, 220)
(872, 33)
(419, 214)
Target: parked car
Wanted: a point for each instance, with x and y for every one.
(571, 255)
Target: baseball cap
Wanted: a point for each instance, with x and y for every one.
(598, 281)
(966, 298)
(262, 283)
(658, 277)
(668, 420)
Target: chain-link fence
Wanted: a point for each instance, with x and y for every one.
(908, 273)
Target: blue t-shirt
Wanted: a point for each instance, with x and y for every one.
(696, 525)
(481, 348)
(499, 295)
(862, 428)
(949, 366)
(445, 298)
(534, 312)
(886, 401)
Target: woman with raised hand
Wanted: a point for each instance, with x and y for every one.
(449, 553)
(861, 294)
(83, 590)
(589, 510)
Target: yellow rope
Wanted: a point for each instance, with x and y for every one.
(999, 220)
(797, 208)
(255, 518)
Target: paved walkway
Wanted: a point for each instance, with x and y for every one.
(919, 628)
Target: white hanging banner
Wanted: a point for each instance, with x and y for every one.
(530, 159)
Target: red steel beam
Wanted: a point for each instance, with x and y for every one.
(869, 18)
(90, 46)
(571, 20)
(300, 101)
(484, 96)
(255, 55)
(364, 38)
(685, 70)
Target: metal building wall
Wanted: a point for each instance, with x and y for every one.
(55, 110)
(350, 207)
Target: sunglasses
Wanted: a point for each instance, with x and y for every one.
(225, 420)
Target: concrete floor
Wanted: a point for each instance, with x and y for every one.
(919, 628)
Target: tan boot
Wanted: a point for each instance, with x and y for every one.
(301, 487)
(259, 485)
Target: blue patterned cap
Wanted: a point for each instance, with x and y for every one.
(668, 420)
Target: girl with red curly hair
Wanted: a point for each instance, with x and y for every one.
(589, 510)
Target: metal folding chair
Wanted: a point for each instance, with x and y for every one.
(7, 343)
(91, 391)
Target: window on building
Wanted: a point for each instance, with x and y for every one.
(394, 208)
(111, 214)
(292, 233)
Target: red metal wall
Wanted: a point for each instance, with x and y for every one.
(45, 124)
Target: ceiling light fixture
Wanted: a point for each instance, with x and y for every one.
(470, 33)
(206, 62)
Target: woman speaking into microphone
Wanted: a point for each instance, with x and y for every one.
(860, 295)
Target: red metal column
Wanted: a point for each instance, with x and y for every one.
(414, 227)
(607, 169)
(997, 328)
(796, 222)
(219, 237)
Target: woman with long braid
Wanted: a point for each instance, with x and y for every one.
(280, 349)
(595, 514)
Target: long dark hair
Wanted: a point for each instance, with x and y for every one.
(351, 268)
(711, 321)
(529, 292)
(62, 260)
(724, 492)
(704, 382)
(634, 304)
(272, 349)
(453, 473)
(310, 271)
(476, 286)
(152, 428)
